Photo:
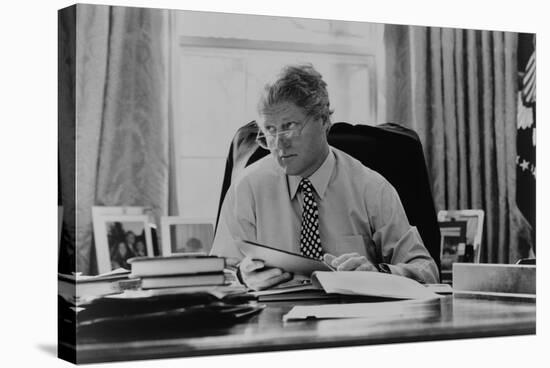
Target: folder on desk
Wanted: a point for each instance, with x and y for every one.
(157, 312)
(290, 262)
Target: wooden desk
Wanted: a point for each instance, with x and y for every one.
(453, 317)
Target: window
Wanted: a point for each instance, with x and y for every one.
(223, 61)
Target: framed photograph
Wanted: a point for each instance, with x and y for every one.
(184, 235)
(474, 227)
(119, 238)
(453, 247)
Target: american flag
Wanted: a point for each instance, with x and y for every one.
(529, 90)
(526, 130)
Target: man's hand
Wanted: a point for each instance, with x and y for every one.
(258, 277)
(349, 262)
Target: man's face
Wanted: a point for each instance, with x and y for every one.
(301, 155)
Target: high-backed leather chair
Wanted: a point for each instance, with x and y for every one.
(390, 149)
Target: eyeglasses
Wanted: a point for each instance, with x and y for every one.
(292, 129)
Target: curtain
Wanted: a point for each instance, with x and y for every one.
(123, 120)
(458, 89)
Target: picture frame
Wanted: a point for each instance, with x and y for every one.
(112, 231)
(474, 226)
(186, 235)
(98, 211)
(453, 247)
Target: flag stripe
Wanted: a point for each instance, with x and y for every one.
(528, 89)
(529, 81)
(531, 61)
(529, 77)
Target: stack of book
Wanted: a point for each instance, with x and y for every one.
(183, 270)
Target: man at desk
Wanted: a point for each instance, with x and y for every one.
(310, 198)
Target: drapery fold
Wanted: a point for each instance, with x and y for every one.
(122, 115)
(458, 90)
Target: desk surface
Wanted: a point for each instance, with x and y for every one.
(452, 317)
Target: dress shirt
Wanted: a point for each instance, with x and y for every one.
(359, 211)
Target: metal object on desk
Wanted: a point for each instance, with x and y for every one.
(495, 278)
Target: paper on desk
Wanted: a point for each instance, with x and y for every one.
(440, 288)
(378, 310)
(297, 284)
(371, 284)
(216, 290)
(78, 276)
(288, 289)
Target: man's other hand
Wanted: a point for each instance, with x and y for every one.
(349, 262)
(258, 277)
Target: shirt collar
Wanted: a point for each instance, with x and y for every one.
(319, 179)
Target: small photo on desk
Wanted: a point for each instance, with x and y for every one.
(126, 240)
(119, 238)
(182, 235)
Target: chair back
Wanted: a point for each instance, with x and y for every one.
(390, 149)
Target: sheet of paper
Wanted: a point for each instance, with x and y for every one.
(119, 271)
(217, 291)
(356, 310)
(372, 284)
